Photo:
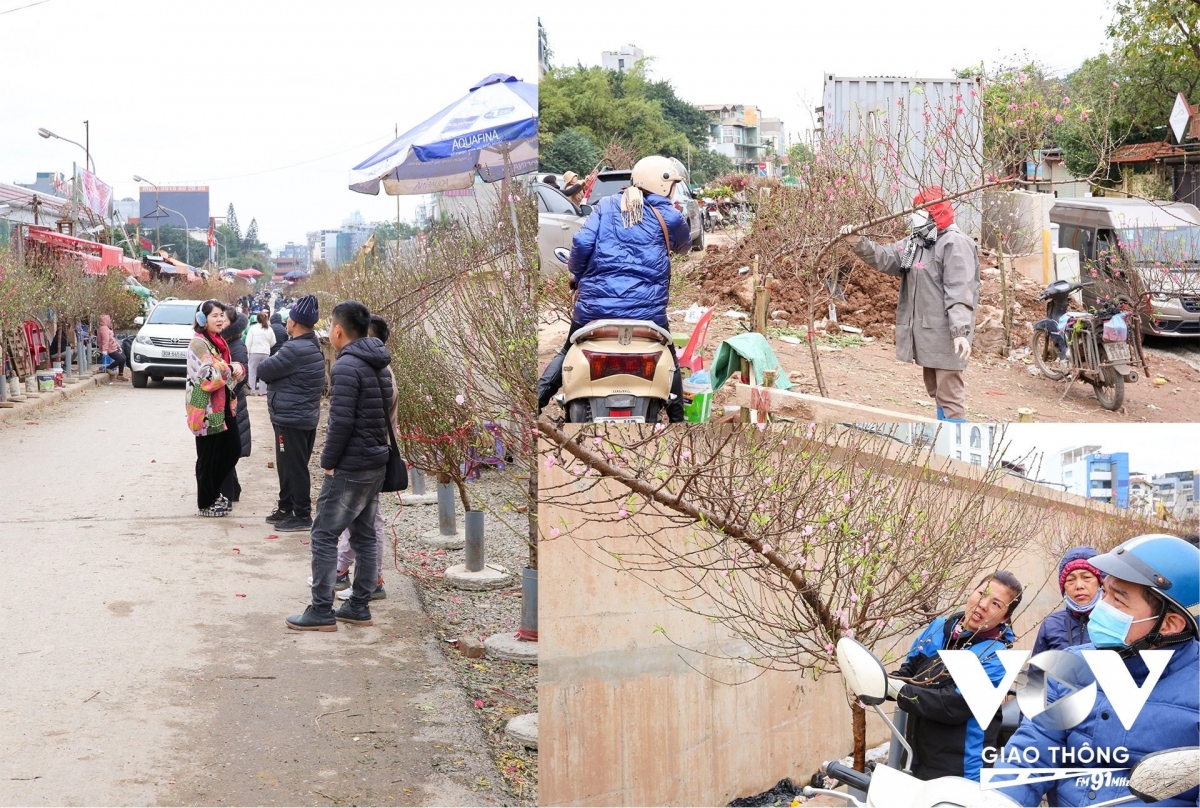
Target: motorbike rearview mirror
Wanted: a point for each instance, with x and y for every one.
(562, 254)
(863, 672)
(1166, 774)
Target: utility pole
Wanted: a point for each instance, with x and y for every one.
(397, 210)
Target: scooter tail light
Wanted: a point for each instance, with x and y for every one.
(602, 365)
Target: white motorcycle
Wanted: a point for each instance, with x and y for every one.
(1156, 777)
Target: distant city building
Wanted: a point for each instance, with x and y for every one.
(189, 200)
(735, 131)
(1179, 493)
(773, 134)
(543, 50)
(126, 210)
(1141, 493)
(1087, 472)
(51, 183)
(971, 443)
(626, 58)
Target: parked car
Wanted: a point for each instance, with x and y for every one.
(614, 182)
(558, 221)
(160, 348)
(1159, 241)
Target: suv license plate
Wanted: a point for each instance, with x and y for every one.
(1117, 351)
(622, 420)
(174, 354)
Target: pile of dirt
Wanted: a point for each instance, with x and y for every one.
(867, 298)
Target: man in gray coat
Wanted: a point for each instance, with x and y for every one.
(938, 267)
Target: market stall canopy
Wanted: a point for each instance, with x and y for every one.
(498, 117)
(295, 274)
(95, 258)
(249, 272)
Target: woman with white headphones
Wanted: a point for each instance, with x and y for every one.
(212, 407)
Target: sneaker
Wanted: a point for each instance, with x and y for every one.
(378, 594)
(342, 582)
(213, 511)
(293, 524)
(358, 616)
(311, 620)
(278, 516)
(224, 502)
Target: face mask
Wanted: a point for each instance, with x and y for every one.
(918, 219)
(1109, 626)
(1083, 608)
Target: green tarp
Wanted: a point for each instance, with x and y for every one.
(749, 346)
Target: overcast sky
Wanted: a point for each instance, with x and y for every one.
(1152, 448)
(775, 55)
(268, 102)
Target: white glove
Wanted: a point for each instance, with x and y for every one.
(849, 237)
(962, 347)
(894, 686)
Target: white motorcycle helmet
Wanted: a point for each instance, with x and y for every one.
(656, 175)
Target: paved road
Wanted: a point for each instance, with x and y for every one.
(135, 673)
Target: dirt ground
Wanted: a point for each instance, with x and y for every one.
(862, 368)
(153, 667)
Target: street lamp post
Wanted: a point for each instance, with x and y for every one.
(138, 178)
(187, 239)
(46, 133)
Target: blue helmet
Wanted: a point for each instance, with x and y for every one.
(1167, 565)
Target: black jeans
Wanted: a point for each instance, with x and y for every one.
(118, 359)
(216, 455)
(348, 499)
(551, 379)
(293, 450)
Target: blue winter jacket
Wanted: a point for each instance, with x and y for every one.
(1061, 630)
(946, 739)
(1169, 719)
(625, 272)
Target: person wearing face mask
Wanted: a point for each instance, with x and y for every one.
(946, 740)
(938, 267)
(1079, 583)
(1151, 601)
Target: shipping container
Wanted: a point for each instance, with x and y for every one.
(882, 105)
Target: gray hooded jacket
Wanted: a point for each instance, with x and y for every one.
(938, 296)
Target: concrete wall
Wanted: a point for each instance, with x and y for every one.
(628, 718)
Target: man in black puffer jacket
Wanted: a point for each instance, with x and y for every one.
(295, 377)
(281, 332)
(354, 458)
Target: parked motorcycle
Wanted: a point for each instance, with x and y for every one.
(617, 371)
(1159, 776)
(1100, 349)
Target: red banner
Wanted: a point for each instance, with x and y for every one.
(96, 195)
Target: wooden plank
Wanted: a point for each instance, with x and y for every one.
(803, 407)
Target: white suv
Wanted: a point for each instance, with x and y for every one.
(160, 347)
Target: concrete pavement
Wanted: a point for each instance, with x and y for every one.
(146, 659)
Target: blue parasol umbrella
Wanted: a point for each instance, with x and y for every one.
(294, 275)
(498, 117)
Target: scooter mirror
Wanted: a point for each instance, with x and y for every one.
(1166, 774)
(562, 254)
(864, 674)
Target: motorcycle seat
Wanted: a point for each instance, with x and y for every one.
(623, 331)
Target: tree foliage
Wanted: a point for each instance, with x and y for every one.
(232, 222)
(573, 149)
(606, 105)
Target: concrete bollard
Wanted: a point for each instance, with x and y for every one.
(445, 496)
(475, 557)
(529, 605)
(418, 482)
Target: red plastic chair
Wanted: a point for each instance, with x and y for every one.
(691, 358)
(35, 340)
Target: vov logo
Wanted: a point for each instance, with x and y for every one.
(1103, 668)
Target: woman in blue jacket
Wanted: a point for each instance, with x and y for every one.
(946, 739)
(622, 265)
(1079, 583)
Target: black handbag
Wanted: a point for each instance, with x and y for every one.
(395, 476)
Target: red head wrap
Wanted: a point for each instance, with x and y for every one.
(941, 212)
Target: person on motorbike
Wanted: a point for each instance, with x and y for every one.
(1079, 584)
(1151, 601)
(946, 739)
(621, 264)
(938, 267)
